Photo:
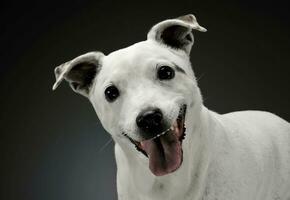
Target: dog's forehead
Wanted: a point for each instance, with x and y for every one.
(138, 54)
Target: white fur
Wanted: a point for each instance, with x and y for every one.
(237, 156)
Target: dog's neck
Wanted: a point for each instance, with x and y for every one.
(134, 173)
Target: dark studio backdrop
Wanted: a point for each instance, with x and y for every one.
(52, 144)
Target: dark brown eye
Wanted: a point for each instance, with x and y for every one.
(165, 73)
(111, 93)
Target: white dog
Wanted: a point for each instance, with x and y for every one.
(167, 144)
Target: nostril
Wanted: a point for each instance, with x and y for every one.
(140, 122)
(150, 120)
(156, 119)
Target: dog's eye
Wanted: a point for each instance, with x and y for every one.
(111, 93)
(165, 73)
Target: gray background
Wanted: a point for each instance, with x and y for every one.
(52, 143)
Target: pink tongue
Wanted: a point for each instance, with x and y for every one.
(165, 153)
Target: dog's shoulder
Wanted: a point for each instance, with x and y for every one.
(258, 119)
(247, 141)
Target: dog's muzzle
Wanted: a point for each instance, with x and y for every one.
(163, 146)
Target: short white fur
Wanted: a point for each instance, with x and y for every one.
(236, 156)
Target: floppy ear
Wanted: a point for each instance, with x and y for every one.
(79, 72)
(176, 33)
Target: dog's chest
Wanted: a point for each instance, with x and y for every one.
(152, 189)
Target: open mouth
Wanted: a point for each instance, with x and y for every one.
(165, 149)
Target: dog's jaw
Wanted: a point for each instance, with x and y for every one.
(164, 150)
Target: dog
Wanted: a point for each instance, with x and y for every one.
(168, 145)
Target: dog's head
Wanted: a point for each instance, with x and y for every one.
(143, 94)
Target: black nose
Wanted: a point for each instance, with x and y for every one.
(150, 121)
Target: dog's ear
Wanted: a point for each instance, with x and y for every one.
(79, 72)
(176, 33)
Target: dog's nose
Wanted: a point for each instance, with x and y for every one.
(150, 121)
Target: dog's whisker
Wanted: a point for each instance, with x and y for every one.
(105, 145)
(200, 77)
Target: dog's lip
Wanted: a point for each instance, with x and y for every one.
(179, 119)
